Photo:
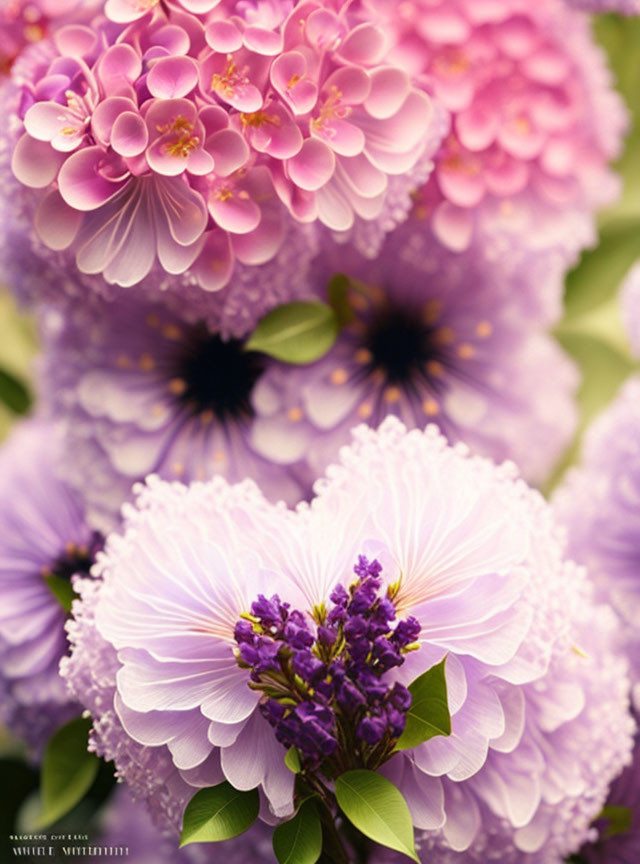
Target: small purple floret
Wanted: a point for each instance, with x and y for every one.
(329, 685)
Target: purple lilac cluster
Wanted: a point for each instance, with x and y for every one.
(326, 693)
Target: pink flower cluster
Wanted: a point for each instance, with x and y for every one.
(528, 93)
(189, 134)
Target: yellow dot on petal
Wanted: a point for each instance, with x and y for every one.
(435, 368)
(365, 411)
(431, 311)
(158, 410)
(218, 456)
(170, 331)
(206, 417)
(392, 394)
(339, 376)
(177, 386)
(466, 351)
(178, 468)
(484, 329)
(430, 407)
(147, 363)
(70, 548)
(445, 335)
(153, 320)
(295, 415)
(506, 208)
(363, 356)
(123, 362)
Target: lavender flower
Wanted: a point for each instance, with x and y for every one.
(537, 696)
(338, 690)
(434, 336)
(599, 503)
(140, 389)
(44, 542)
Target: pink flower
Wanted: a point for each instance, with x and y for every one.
(534, 119)
(179, 138)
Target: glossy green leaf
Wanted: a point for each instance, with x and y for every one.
(297, 333)
(61, 590)
(218, 813)
(292, 760)
(13, 393)
(377, 808)
(429, 714)
(299, 841)
(68, 770)
(338, 291)
(619, 819)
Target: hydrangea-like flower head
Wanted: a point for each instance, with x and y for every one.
(473, 558)
(186, 143)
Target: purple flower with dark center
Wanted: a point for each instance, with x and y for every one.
(44, 542)
(142, 390)
(434, 337)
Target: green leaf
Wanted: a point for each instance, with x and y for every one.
(299, 841)
(377, 809)
(61, 590)
(297, 333)
(68, 770)
(429, 714)
(13, 393)
(619, 819)
(338, 290)
(218, 813)
(292, 760)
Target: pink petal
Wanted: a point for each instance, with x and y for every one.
(35, 163)
(123, 11)
(343, 137)
(214, 119)
(82, 185)
(120, 65)
(185, 209)
(461, 180)
(106, 114)
(173, 257)
(313, 166)
(75, 41)
(223, 36)
(323, 29)
(267, 42)
(477, 126)
(215, 264)
(200, 163)
(288, 76)
(229, 150)
(453, 226)
(129, 136)
(260, 245)
(172, 77)
(389, 88)
(175, 39)
(353, 83)
(44, 120)
(57, 224)
(365, 44)
(234, 210)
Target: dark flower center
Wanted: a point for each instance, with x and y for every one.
(76, 559)
(401, 345)
(217, 376)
